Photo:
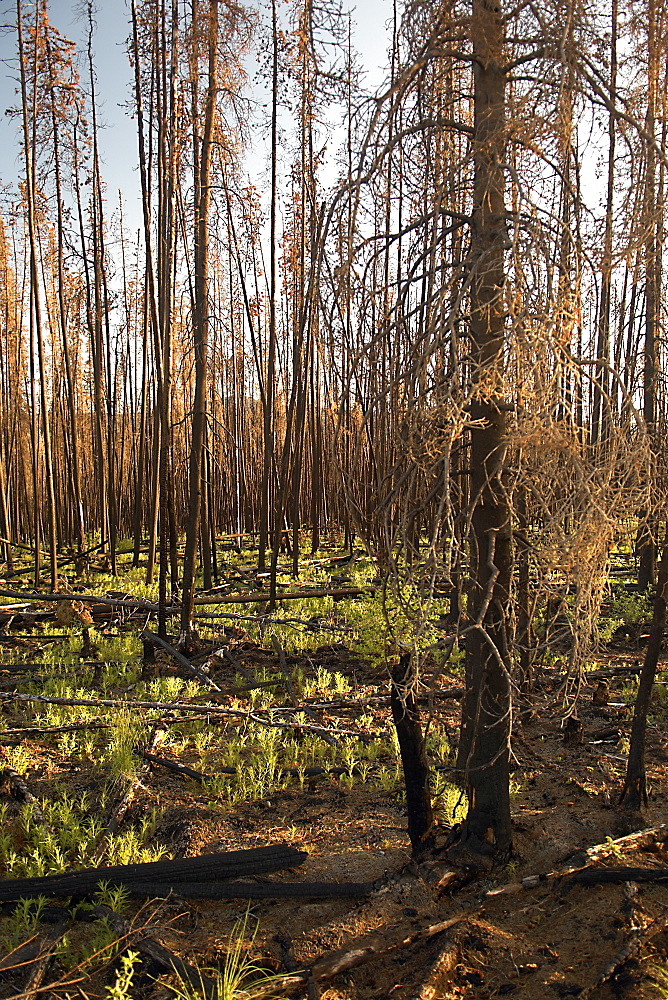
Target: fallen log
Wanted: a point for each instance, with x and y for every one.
(117, 602)
(366, 949)
(172, 765)
(23, 668)
(92, 724)
(283, 663)
(288, 595)
(622, 873)
(253, 890)
(25, 619)
(293, 772)
(630, 949)
(372, 945)
(243, 598)
(21, 956)
(17, 545)
(280, 652)
(48, 730)
(121, 807)
(632, 841)
(603, 673)
(37, 972)
(250, 677)
(452, 692)
(578, 861)
(82, 555)
(165, 874)
(21, 791)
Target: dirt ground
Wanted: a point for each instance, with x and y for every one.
(553, 940)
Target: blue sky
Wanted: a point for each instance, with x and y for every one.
(117, 139)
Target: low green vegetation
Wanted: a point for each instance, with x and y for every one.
(69, 835)
(241, 978)
(243, 760)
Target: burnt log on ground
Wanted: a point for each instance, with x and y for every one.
(254, 890)
(165, 875)
(156, 640)
(38, 969)
(21, 791)
(650, 837)
(578, 864)
(176, 706)
(140, 605)
(630, 949)
(601, 876)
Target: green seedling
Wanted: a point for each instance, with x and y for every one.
(116, 897)
(93, 944)
(121, 988)
(19, 759)
(22, 923)
(660, 975)
(614, 849)
(449, 802)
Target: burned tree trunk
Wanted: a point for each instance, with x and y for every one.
(634, 793)
(200, 326)
(484, 747)
(413, 757)
(647, 526)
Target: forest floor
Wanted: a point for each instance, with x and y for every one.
(555, 939)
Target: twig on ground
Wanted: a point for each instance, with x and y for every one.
(151, 637)
(178, 707)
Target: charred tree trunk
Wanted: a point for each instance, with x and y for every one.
(601, 404)
(29, 109)
(486, 715)
(634, 793)
(79, 530)
(200, 325)
(413, 757)
(269, 392)
(646, 540)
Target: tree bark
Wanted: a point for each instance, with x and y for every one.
(486, 715)
(200, 322)
(180, 871)
(634, 793)
(646, 541)
(29, 149)
(413, 757)
(600, 423)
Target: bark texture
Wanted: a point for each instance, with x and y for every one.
(484, 748)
